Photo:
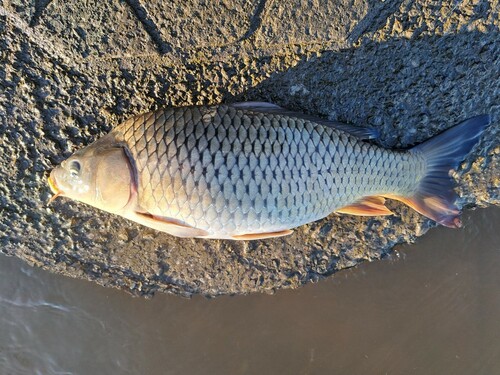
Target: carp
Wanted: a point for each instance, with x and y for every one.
(255, 170)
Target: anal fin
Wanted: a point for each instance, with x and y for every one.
(165, 224)
(261, 236)
(367, 206)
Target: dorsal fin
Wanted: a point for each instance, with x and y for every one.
(263, 107)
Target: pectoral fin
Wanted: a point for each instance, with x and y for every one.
(165, 224)
(368, 206)
(261, 236)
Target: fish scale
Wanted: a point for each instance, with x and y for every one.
(227, 171)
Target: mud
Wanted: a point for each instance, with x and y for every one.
(71, 71)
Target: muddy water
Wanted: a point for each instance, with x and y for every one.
(432, 308)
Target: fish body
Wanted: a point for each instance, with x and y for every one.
(254, 170)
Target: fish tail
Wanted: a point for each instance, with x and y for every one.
(435, 197)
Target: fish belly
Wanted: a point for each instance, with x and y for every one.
(230, 172)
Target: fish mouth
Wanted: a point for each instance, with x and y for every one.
(53, 186)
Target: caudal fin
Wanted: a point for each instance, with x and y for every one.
(435, 197)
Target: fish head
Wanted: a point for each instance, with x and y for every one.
(99, 175)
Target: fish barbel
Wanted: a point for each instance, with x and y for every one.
(255, 170)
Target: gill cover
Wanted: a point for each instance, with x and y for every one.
(99, 175)
(113, 180)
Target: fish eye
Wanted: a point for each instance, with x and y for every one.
(74, 168)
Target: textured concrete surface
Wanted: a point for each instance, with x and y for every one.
(71, 70)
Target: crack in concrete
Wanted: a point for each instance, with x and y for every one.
(149, 26)
(257, 19)
(40, 6)
(375, 18)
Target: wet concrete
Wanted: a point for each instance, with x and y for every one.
(70, 71)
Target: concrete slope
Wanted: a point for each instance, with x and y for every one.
(70, 71)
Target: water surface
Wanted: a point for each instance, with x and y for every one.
(431, 308)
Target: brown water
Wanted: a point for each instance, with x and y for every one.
(432, 308)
